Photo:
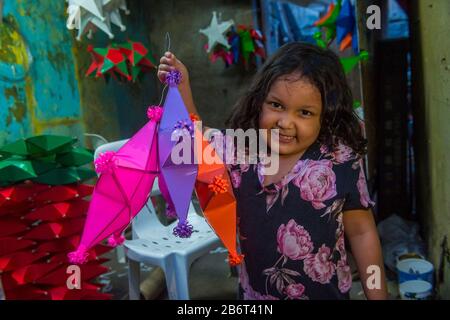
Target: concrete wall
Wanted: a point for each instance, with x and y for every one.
(367, 39)
(215, 88)
(431, 61)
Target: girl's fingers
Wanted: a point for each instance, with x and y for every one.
(168, 62)
(170, 55)
(162, 75)
(165, 60)
(165, 67)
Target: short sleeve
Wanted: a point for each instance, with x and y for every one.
(356, 191)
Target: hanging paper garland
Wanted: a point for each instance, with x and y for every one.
(124, 61)
(329, 20)
(346, 34)
(138, 56)
(244, 44)
(348, 63)
(319, 41)
(351, 62)
(339, 22)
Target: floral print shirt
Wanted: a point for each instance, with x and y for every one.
(291, 232)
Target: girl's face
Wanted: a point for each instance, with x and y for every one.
(293, 106)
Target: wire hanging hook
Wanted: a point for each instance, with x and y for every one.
(167, 39)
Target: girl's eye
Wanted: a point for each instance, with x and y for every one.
(305, 113)
(276, 105)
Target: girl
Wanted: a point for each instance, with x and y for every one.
(291, 225)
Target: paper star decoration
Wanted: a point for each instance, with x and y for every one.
(126, 60)
(89, 15)
(215, 32)
(92, 6)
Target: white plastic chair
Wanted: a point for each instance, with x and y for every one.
(154, 244)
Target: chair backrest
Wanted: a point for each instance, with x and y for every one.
(111, 146)
(146, 221)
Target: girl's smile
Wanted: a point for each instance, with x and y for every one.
(286, 139)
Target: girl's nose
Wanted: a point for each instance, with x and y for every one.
(285, 122)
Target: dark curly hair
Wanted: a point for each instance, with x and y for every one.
(322, 68)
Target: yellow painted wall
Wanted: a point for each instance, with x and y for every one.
(431, 43)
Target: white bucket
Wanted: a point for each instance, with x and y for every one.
(415, 269)
(415, 290)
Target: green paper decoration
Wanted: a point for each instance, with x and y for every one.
(40, 167)
(66, 175)
(47, 144)
(14, 170)
(351, 62)
(319, 42)
(247, 45)
(75, 157)
(330, 23)
(48, 159)
(18, 147)
(356, 104)
(38, 146)
(126, 60)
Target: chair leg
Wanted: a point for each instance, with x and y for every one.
(177, 278)
(134, 279)
(120, 254)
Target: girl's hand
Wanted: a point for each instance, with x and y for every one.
(169, 62)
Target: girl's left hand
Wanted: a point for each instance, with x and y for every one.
(169, 62)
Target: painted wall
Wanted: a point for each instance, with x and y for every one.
(42, 84)
(38, 88)
(432, 106)
(51, 94)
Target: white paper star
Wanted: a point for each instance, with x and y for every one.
(86, 15)
(215, 32)
(115, 4)
(93, 6)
